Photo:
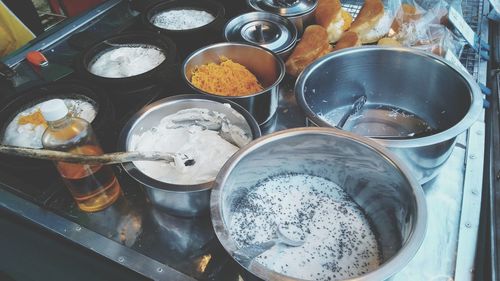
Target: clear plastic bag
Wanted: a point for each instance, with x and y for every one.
(441, 40)
(391, 8)
(418, 24)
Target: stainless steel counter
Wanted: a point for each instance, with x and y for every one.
(163, 247)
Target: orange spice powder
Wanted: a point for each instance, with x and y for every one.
(36, 118)
(225, 79)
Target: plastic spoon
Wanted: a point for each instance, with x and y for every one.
(247, 254)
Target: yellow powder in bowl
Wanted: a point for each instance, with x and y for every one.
(225, 79)
(36, 118)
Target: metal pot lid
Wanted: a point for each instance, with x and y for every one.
(285, 8)
(268, 30)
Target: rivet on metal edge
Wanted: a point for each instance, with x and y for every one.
(468, 225)
(479, 133)
(498, 175)
(472, 156)
(121, 259)
(78, 228)
(159, 269)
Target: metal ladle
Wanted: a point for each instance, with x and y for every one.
(355, 108)
(105, 159)
(358, 105)
(247, 254)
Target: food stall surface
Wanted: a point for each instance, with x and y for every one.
(163, 247)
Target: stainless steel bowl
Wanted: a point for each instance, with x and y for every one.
(266, 66)
(270, 31)
(300, 12)
(182, 200)
(376, 180)
(424, 87)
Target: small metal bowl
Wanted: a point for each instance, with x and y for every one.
(427, 91)
(300, 12)
(181, 200)
(375, 179)
(268, 30)
(264, 64)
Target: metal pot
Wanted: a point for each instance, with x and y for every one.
(300, 12)
(375, 179)
(273, 32)
(265, 65)
(421, 86)
(182, 200)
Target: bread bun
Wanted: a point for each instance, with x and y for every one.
(389, 42)
(349, 39)
(372, 23)
(314, 44)
(330, 15)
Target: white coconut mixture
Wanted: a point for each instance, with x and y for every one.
(339, 242)
(182, 19)
(30, 135)
(127, 61)
(179, 134)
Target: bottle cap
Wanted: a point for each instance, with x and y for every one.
(53, 110)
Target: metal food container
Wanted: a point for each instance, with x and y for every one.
(273, 32)
(164, 72)
(417, 86)
(181, 200)
(264, 64)
(187, 40)
(375, 179)
(300, 12)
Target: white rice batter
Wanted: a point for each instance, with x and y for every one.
(176, 133)
(339, 242)
(127, 61)
(30, 135)
(182, 19)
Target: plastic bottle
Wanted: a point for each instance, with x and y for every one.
(94, 187)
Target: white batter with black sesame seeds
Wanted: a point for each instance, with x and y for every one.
(339, 242)
(182, 19)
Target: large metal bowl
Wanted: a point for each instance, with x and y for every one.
(264, 64)
(414, 81)
(376, 180)
(182, 200)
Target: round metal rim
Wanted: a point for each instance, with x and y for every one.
(470, 117)
(387, 269)
(283, 20)
(170, 54)
(135, 173)
(254, 5)
(220, 13)
(213, 46)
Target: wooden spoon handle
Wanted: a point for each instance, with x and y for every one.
(105, 159)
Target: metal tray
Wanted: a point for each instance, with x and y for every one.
(162, 247)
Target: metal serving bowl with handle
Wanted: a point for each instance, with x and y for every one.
(182, 200)
(416, 102)
(375, 179)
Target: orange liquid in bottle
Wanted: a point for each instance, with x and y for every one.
(94, 187)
